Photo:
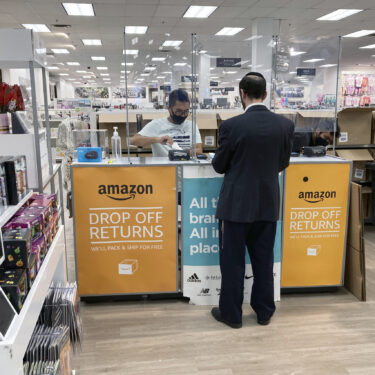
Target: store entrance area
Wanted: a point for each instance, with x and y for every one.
(317, 333)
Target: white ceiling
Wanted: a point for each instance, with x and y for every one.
(165, 16)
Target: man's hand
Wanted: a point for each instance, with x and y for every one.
(165, 139)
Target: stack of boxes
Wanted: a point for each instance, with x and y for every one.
(26, 239)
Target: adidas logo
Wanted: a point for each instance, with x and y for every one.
(194, 279)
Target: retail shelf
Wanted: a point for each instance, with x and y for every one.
(7, 212)
(12, 350)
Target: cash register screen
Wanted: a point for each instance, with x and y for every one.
(7, 314)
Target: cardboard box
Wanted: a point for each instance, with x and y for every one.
(355, 126)
(355, 268)
(367, 202)
(359, 158)
(207, 124)
(313, 119)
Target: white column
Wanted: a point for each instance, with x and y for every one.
(204, 77)
(262, 52)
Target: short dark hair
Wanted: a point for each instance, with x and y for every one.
(178, 95)
(254, 85)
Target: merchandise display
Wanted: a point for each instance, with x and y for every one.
(26, 239)
(358, 90)
(3, 185)
(97, 140)
(15, 173)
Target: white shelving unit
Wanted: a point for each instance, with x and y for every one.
(12, 350)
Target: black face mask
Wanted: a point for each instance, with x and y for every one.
(319, 141)
(177, 119)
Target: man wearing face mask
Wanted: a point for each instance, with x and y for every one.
(162, 133)
(321, 136)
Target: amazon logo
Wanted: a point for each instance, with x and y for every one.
(316, 196)
(124, 192)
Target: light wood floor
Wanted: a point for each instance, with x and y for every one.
(315, 334)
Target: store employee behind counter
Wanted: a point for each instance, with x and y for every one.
(162, 133)
(321, 135)
(253, 148)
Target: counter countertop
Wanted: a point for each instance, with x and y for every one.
(165, 161)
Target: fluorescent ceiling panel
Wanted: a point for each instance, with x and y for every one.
(339, 14)
(131, 52)
(158, 59)
(296, 53)
(97, 58)
(53, 68)
(37, 27)
(180, 64)
(172, 43)
(370, 46)
(359, 34)
(79, 9)
(60, 51)
(136, 29)
(128, 64)
(312, 60)
(73, 63)
(229, 31)
(197, 11)
(327, 65)
(102, 67)
(92, 42)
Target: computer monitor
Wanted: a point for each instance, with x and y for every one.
(207, 102)
(222, 102)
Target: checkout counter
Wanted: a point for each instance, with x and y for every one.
(127, 237)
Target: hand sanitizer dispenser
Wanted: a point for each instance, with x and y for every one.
(116, 144)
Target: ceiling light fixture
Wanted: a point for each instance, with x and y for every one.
(130, 52)
(92, 42)
(254, 37)
(150, 68)
(370, 46)
(327, 65)
(60, 51)
(180, 64)
(229, 31)
(313, 60)
(102, 68)
(129, 64)
(79, 9)
(53, 68)
(296, 53)
(158, 59)
(359, 34)
(37, 27)
(172, 43)
(196, 11)
(104, 74)
(81, 71)
(136, 29)
(63, 74)
(97, 58)
(339, 14)
(73, 63)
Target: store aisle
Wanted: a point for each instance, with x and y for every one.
(327, 333)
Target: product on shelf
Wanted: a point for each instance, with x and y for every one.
(14, 285)
(39, 248)
(3, 185)
(28, 219)
(31, 270)
(15, 171)
(17, 246)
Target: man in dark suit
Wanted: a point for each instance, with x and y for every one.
(253, 148)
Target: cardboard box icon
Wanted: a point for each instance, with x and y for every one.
(314, 250)
(128, 267)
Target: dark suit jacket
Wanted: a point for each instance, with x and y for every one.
(253, 148)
